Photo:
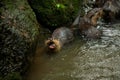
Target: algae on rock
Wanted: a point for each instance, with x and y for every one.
(56, 13)
(19, 31)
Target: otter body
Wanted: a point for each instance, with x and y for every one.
(93, 15)
(88, 30)
(63, 34)
(59, 37)
(88, 23)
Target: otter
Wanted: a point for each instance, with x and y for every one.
(87, 24)
(93, 15)
(60, 36)
(88, 30)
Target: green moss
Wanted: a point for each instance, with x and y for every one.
(54, 13)
(19, 32)
(12, 76)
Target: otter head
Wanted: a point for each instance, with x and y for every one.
(52, 44)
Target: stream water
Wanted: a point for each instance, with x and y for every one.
(81, 59)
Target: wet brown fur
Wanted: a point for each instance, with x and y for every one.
(89, 22)
(93, 15)
(56, 42)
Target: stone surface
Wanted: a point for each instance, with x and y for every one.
(19, 31)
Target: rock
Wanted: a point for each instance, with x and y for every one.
(52, 14)
(18, 32)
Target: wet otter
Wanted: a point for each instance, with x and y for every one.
(59, 37)
(93, 15)
(88, 30)
(53, 45)
(87, 24)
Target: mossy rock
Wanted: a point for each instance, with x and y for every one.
(12, 76)
(55, 13)
(19, 33)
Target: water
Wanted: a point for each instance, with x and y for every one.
(81, 60)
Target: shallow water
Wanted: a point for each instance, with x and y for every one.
(81, 60)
